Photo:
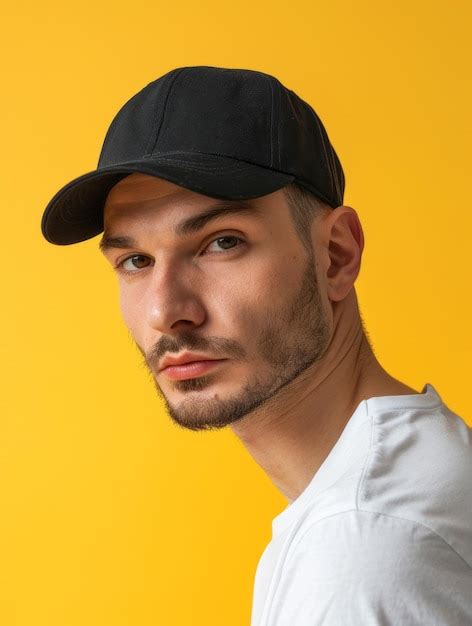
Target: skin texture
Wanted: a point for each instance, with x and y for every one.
(285, 319)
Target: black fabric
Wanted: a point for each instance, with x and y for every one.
(225, 133)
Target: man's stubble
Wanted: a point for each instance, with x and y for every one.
(291, 339)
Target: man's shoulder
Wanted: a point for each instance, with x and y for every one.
(419, 469)
(355, 566)
(370, 537)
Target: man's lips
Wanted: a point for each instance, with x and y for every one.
(190, 369)
(182, 359)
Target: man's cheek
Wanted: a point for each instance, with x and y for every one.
(130, 316)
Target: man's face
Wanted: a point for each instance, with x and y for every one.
(240, 289)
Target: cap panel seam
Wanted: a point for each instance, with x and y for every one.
(271, 123)
(337, 187)
(158, 123)
(279, 121)
(328, 163)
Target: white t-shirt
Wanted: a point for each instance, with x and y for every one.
(382, 535)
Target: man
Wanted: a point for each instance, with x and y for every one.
(220, 200)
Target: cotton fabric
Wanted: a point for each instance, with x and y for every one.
(382, 535)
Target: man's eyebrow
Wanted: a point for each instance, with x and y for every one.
(190, 225)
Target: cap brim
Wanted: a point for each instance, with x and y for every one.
(75, 213)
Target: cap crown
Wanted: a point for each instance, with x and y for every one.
(238, 113)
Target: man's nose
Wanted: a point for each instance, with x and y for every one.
(173, 299)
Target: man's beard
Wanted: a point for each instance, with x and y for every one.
(291, 339)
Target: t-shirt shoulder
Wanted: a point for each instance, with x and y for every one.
(361, 567)
(419, 468)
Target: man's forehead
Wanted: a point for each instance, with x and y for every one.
(150, 193)
(189, 219)
(141, 190)
(137, 198)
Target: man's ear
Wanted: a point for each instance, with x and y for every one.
(344, 240)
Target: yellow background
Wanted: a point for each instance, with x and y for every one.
(112, 516)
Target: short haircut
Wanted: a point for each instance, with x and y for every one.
(304, 206)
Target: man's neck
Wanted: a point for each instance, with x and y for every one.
(296, 431)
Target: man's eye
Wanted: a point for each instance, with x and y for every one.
(121, 264)
(225, 237)
(141, 257)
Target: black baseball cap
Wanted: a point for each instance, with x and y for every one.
(225, 133)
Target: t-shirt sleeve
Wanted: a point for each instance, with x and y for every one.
(360, 568)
